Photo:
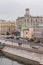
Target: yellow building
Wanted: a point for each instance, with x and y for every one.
(7, 27)
(27, 32)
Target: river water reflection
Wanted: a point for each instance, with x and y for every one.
(6, 61)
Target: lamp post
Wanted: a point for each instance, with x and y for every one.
(12, 37)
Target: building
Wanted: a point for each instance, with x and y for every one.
(7, 27)
(29, 22)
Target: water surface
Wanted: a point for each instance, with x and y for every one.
(7, 61)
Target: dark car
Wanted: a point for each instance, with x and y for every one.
(18, 37)
(2, 45)
(30, 40)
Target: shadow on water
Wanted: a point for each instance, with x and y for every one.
(1, 53)
(9, 61)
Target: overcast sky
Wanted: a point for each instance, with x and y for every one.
(11, 9)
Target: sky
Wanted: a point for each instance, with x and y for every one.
(11, 9)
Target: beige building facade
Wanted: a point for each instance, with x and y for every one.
(31, 22)
(7, 27)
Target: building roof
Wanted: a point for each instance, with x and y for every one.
(25, 28)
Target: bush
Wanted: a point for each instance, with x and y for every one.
(15, 33)
(35, 39)
(7, 33)
(41, 40)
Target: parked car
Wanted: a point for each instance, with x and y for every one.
(37, 42)
(18, 37)
(30, 40)
(8, 37)
(2, 45)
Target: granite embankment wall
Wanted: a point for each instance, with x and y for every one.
(23, 53)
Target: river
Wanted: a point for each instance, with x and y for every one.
(7, 61)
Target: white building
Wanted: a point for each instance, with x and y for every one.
(29, 22)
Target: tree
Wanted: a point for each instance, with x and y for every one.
(7, 33)
(17, 33)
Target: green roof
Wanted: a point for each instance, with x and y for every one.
(25, 28)
(34, 26)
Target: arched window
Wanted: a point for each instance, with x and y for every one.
(27, 20)
(31, 19)
(36, 19)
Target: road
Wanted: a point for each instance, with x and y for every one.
(23, 41)
(23, 44)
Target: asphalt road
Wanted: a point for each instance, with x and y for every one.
(22, 41)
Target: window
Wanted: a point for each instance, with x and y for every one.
(31, 19)
(26, 32)
(19, 27)
(27, 19)
(36, 20)
(31, 22)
